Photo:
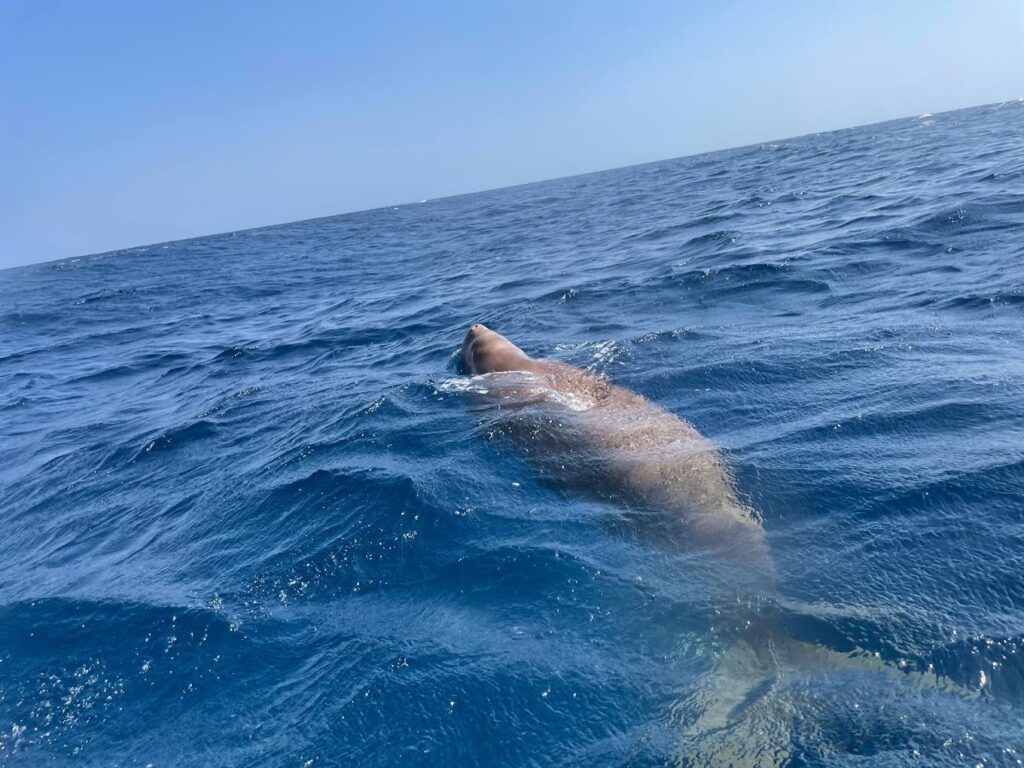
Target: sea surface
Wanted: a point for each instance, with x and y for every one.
(248, 519)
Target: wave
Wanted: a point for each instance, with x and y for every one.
(244, 500)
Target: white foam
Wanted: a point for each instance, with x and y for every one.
(570, 400)
(528, 387)
(605, 352)
(463, 384)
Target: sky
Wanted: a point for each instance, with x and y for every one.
(131, 123)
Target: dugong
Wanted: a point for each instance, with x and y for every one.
(583, 431)
(674, 488)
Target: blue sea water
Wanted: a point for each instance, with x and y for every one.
(247, 518)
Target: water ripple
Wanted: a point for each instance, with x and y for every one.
(248, 518)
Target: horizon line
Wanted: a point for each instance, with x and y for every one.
(259, 227)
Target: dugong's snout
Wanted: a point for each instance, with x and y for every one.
(487, 351)
(466, 353)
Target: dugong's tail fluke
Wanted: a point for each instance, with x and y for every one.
(734, 718)
(752, 704)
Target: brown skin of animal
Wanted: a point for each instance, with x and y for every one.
(673, 487)
(670, 481)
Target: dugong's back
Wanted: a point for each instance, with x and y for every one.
(586, 432)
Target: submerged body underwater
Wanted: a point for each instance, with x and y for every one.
(249, 518)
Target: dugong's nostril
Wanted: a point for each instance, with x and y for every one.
(476, 328)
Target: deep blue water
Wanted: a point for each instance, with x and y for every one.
(248, 519)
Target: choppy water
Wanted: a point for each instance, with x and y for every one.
(248, 520)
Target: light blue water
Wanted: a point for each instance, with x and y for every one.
(248, 520)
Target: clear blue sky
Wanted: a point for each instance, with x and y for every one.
(134, 122)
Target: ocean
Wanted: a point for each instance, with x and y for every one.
(248, 518)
